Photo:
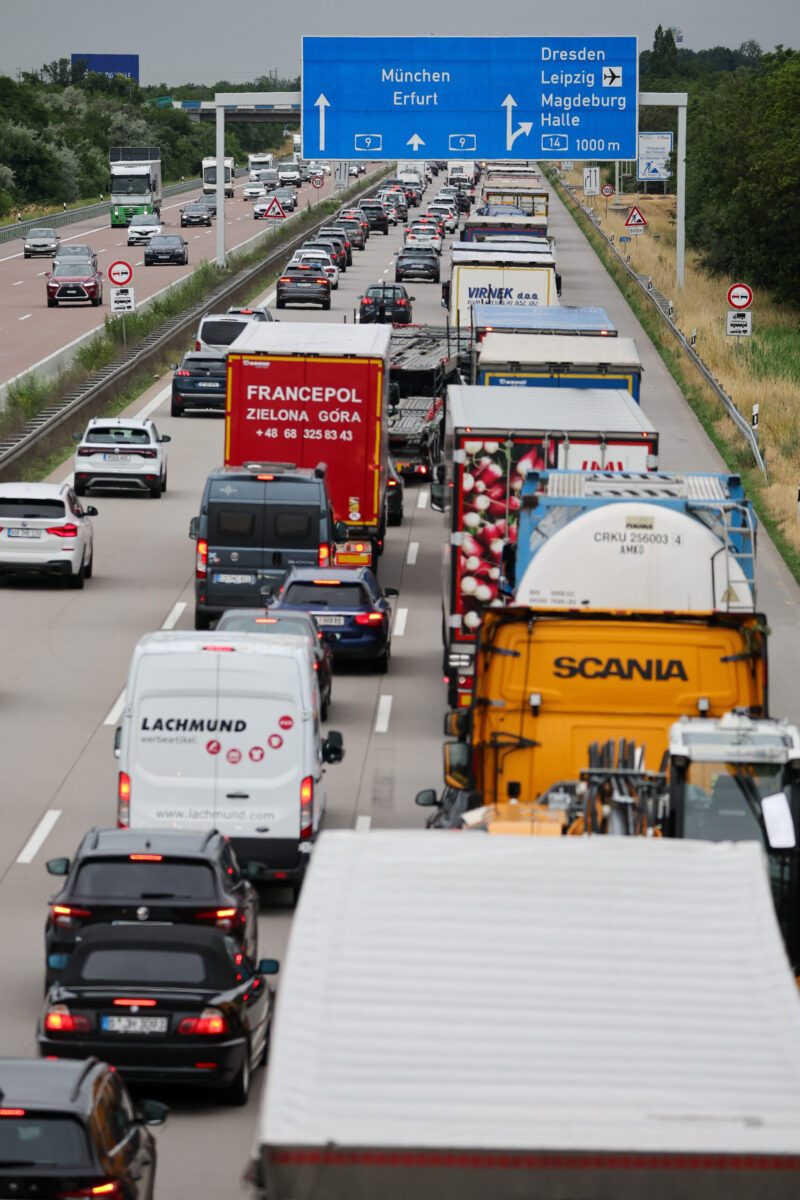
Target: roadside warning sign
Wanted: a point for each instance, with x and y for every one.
(213, 747)
(256, 753)
(274, 210)
(635, 219)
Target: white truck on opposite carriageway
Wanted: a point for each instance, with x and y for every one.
(505, 1018)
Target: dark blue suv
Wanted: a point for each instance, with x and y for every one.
(349, 606)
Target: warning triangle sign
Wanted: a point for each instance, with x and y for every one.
(635, 218)
(274, 209)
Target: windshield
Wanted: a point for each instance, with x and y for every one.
(131, 185)
(76, 251)
(42, 233)
(72, 269)
(144, 219)
(723, 800)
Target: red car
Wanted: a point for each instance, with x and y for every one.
(74, 281)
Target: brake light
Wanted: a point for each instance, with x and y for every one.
(146, 857)
(266, 620)
(134, 1002)
(12, 1112)
(147, 453)
(373, 618)
(367, 300)
(307, 809)
(123, 800)
(63, 914)
(323, 280)
(65, 531)
(99, 1189)
(201, 561)
(211, 1023)
(197, 346)
(60, 1020)
(324, 555)
(220, 649)
(284, 279)
(402, 303)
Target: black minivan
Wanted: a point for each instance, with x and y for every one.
(257, 522)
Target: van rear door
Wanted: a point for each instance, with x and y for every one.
(291, 529)
(236, 541)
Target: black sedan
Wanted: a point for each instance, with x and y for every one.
(385, 304)
(165, 876)
(417, 262)
(258, 620)
(195, 214)
(198, 382)
(301, 284)
(164, 1003)
(167, 248)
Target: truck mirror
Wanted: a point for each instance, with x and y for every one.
(778, 822)
(427, 798)
(193, 526)
(440, 497)
(455, 723)
(456, 765)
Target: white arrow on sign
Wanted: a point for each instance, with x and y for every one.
(322, 102)
(415, 141)
(509, 104)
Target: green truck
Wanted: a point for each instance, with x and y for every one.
(135, 182)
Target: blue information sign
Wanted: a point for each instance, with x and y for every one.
(110, 64)
(499, 98)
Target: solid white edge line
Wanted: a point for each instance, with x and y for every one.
(363, 823)
(400, 622)
(115, 712)
(383, 714)
(422, 498)
(174, 615)
(155, 403)
(413, 551)
(37, 838)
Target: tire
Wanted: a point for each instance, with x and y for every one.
(76, 581)
(96, 303)
(175, 410)
(396, 518)
(324, 708)
(80, 489)
(280, 304)
(201, 620)
(52, 303)
(386, 232)
(326, 304)
(164, 484)
(237, 1092)
(24, 255)
(89, 572)
(186, 260)
(155, 492)
(382, 663)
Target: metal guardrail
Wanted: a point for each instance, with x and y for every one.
(68, 415)
(667, 313)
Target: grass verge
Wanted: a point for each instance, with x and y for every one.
(700, 397)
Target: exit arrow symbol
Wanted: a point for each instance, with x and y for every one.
(509, 104)
(322, 102)
(416, 141)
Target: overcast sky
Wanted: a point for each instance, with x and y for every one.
(206, 40)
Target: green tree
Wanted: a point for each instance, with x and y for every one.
(663, 59)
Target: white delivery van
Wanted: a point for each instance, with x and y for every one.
(223, 732)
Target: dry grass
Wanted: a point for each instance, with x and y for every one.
(764, 369)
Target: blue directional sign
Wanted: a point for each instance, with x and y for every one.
(110, 64)
(499, 98)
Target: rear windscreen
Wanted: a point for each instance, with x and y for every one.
(145, 965)
(121, 879)
(21, 507)
(297, 626)
(220, 333)
(43, 1139)
(347, 595)
(120, 436)
(212, 366)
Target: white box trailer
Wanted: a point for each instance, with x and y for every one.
(533, 1019)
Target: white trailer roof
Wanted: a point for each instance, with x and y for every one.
(567, 410)
(468, 991)
(286, 337)
(530, 349)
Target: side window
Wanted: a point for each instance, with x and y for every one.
(230, 866)
(120, 1115)
(110, 1121)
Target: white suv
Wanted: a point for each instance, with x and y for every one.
(121, 452)
(44, 531)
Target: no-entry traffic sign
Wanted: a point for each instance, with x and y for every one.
(120, 273)
(317, 181)
(740, 296)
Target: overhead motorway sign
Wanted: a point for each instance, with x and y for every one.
(504, 98)
(110, 64)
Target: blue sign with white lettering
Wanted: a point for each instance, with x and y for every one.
(110, 64)
(498, 98)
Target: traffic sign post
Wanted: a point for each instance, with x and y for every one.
(740, 296)
(122, 298)
(120, 273)
(504, 98)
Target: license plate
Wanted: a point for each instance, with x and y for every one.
(329, 620)
(134, 1024)
(117, 457)
(25, 533)
(223, 577)
(203, 383)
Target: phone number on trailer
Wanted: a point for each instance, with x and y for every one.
(313, 435)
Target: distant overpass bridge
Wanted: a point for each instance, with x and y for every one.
(282, 107)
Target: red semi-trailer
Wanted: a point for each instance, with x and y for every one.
(302, 394)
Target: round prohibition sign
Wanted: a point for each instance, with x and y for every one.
(120, 273)
(607, 190)
(317, 182)
(740, 296)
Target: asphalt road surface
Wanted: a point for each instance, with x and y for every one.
(65, 656)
